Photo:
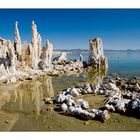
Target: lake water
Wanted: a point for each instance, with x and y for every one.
(124, 63)
(22, 106)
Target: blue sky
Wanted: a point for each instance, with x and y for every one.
(72, 28)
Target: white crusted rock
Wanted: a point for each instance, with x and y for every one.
(60, 59)
(80, 113)
(74, 92)
(68, 96)
(96, 54)
(11, 79)
(110, 107)
(82, 103)
(120, 106)
(95, 88)
(64, 107)
(18, 47)
(87, 88)
(12, 56)
(69, 101)
(112, 86)
(102, 115)
(135, 105)
(95, 111)
(47, 54)
(3, 71)
(60, 98)
(85, 115)
(35, 46)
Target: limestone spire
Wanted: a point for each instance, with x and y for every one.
(39, 45)
(96, 53)
(17, 41)
(12, 55)
(47, 53)
(34, 35)
(36, 46)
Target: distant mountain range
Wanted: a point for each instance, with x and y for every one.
(86, 50)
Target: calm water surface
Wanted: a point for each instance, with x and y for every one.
(123, 63)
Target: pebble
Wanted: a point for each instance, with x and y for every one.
(48, 101)
(64, 107)
(6, 121)
(86, 123)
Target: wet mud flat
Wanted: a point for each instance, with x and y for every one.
(54, 121)
(23, 108)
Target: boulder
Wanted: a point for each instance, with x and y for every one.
(87, 88)
(60, 98)
(61, 59)
(112, 86)
(64, 107)
(82, 104)
(102, 115)
(74, 92)
(110, 108)
(80, 113)
(11, 80)
(69, 102)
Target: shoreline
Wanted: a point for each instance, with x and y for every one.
(121, 98)
(48, 109)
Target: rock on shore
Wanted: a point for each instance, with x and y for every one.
(120, 101)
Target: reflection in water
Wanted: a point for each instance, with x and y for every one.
(47, 86)
(37, 96)
(26, 97)
(21, 100)
(96, 77)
